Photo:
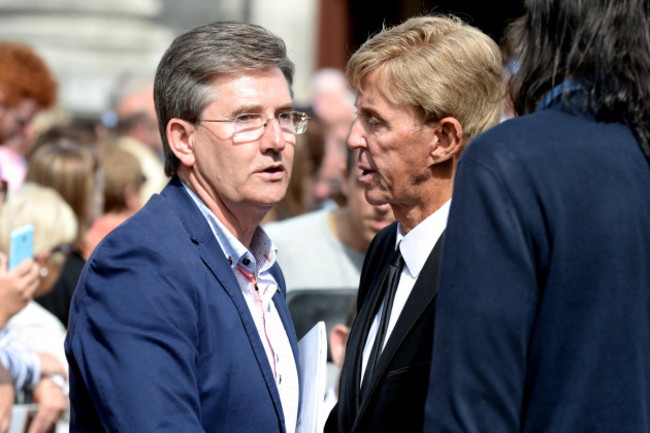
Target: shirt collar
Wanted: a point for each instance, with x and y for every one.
(262, 253)
(417, 244)
(570, 85)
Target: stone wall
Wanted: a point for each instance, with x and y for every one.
(90, 45)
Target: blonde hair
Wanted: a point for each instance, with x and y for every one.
(54, 221)
(440, 65)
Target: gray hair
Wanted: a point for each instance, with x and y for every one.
(182, 84)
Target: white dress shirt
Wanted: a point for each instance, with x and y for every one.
(415, 247)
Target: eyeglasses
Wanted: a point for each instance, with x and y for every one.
(251, 126)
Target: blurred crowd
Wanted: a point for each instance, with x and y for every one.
(75, 179)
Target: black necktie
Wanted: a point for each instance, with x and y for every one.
(389, 287)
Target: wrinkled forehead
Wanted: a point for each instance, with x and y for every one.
(249, 91)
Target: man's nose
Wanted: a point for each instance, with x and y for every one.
(273, 138)
(356, 139)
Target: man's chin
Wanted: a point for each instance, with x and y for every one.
(374, 197)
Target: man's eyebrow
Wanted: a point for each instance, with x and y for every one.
(242, 109)
(368, 111)
(255, 109)
(290, 106)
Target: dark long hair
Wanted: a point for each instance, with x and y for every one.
(603, 45)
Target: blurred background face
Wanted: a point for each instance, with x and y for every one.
(368, 219)
(328, 179)
(16, 124)
(139, 110)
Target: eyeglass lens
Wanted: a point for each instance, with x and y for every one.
(251, 127)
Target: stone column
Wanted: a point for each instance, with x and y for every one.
(89, 44)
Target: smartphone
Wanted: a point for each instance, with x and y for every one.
(21, 243)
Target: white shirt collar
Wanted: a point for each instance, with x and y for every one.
(417, 244)
(262, 253)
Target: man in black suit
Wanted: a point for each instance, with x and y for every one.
(424, 89)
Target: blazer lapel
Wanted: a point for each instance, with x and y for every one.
(366, 316)
(423, 293)
(359, 332)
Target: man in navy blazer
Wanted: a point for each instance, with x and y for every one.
(543, 320)
(179, 321)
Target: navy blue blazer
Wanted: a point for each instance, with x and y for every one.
(543, 319)
(160, 337)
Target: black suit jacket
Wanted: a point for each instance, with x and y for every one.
(396, 397)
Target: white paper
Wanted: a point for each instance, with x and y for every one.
(312, 357)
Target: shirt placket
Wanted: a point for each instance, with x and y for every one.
(262, 301)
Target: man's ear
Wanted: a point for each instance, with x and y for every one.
(449, 138)
(180, 137)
